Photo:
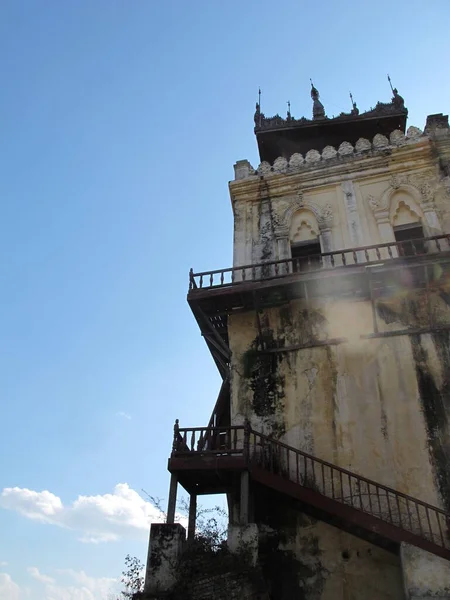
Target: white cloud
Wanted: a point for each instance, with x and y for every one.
(124, 415)
(3, 563)
(77, 586)
(101, 518)
(34, 572)
(9, 590)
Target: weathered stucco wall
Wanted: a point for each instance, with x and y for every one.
(377, 406)
(313, 374)
(307, 559)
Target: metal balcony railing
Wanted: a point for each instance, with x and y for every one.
(363, 255)
(365, 495)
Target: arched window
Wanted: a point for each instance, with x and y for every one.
(304, 240)
(407, 225)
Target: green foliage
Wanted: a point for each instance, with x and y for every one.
(132, 577)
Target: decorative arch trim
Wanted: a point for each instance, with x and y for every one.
(323, 215)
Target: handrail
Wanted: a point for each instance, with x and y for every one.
(345, 257)
(366, 495)
(346, 472)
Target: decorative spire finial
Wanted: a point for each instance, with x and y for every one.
(257, 117)
(355, 110)
(397, 100)
(318, 109)
(289, 111)
(390, 83)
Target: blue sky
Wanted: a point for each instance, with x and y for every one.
(120, 122)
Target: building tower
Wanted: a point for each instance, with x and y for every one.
(330, 434)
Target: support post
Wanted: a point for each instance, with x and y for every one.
(172, 499)
(192, 517)
(244, 498)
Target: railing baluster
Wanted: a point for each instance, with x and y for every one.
(377, 250)
(201, 281)
(287, 460)
(418, 518)
(399, 511)
(342, 486)
(192, 440)
(355, 257)
(235, 440)
(253, 272)
(369, 498)
(389, 506)
(366, 254)
(427, 512)
(332, 482)
(389, 249)
(413, 246)
(344, 260)
(200, 441)
(296, 464)
(211, 280)
(233, 276)
(243, 274)
(438, 518)
(332, 259)
(409, 514)
(378, 497)
(351, 491)
(323, 480)
(306, 471)
(221, 277)
(276, 268)
(438, 246)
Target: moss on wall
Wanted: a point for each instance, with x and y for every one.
(435, 400)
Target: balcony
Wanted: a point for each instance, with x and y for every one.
(340, 273)
(363, 273)
(212, 460)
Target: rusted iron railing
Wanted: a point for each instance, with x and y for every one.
(365, 495)
(363, 255)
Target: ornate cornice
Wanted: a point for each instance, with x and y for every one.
(382, 109)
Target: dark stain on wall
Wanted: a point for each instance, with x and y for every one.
(265, 380)
(287, 575)
(435, 402)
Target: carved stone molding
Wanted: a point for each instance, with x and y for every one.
(377, 203)
(325, 219)
(323, 215)
(418, 186)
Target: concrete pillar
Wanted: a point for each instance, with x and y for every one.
(164, 552)
(244, 506)
(192, 516)
(326, 245)
(283, 251)
(172, 499)
(386, 232)
(425, 575)
(353, 219)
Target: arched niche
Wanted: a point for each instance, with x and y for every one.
(303, 227)
(404, 208)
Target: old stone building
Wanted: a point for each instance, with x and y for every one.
(331, 331)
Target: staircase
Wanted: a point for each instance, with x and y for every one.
(208, 460)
